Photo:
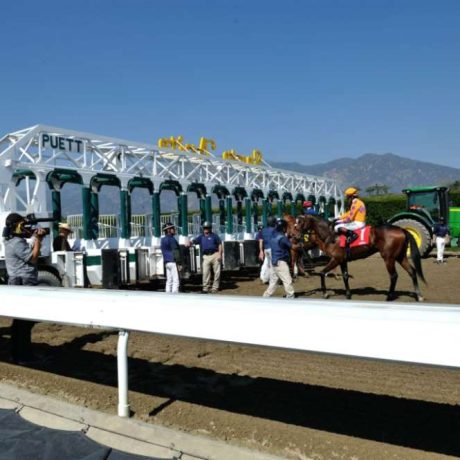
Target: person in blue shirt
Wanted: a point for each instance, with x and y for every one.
(211, 252)
(309, 209)
(171, 256)
(441, 234)
(265, 253)
(280, 248)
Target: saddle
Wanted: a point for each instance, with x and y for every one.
(355, 238)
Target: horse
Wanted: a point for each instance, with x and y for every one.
(390, 241)
(299, 244)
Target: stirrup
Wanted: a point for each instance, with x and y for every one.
(351, 236)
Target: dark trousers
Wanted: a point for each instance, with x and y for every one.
(21, 329)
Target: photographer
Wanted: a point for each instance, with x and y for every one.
(21, 264)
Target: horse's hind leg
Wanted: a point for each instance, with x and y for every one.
(391, 268)
(344, 267)
(413, 274)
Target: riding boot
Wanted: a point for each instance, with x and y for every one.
(351, 236)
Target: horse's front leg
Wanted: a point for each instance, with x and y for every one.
(293, 263)
(299, 263)
(296, 266)
(346, 276)
(330, 266)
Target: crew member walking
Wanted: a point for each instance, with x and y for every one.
(171, 257)
(280, 247)
(265, 253)
(211, 251)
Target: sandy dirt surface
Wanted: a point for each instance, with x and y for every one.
(295, 405)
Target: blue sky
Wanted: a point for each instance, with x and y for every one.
(306, 81)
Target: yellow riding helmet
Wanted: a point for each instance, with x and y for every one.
(350, 191)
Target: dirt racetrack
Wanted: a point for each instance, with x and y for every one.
(295, 405)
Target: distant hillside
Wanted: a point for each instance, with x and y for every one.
(391, 170)
(387, 169)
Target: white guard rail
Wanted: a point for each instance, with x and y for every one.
(414, 333)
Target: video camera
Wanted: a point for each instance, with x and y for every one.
(30, 221)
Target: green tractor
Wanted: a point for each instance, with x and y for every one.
(425, 206)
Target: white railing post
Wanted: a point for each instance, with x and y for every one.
(122, 363)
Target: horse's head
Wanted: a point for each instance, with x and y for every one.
(316, 227)
(292, 229)
(305, 224)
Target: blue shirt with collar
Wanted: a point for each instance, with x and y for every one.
(280, 246)
(266, 234)
(168, 245)
(209, 243)
(441, 230)
(310, 212)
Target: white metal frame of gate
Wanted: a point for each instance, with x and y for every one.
(25, 149)
(413, 333)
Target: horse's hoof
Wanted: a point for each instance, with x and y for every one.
(326, 296)
(420, 298)
(390, 298)
(348, 297)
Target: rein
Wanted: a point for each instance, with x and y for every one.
(329, 238)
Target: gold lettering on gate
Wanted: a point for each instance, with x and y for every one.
(205, 146)
(177, 143)
(254, 159)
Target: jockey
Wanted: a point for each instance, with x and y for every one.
(354, 219)
(308, 208)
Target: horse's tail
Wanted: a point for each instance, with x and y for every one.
(415, 254)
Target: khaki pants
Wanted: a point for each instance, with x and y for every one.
(280, 272)
(211, 263)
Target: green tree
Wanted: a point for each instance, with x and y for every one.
(370, 190)
(378, 189)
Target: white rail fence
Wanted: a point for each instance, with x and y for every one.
(413, 333)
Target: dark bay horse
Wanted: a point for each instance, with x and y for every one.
(390, 241)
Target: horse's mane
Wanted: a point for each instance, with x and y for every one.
(323, 228)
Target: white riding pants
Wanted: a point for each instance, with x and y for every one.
(355, 225)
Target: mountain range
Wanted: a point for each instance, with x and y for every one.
(387, 169)
(393, 171)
